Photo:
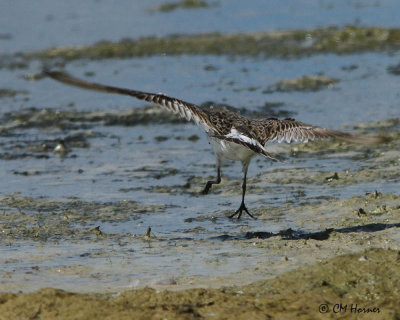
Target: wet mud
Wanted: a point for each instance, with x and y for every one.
(283, 44)
(47, 220)
(348, 286)
(305, 83)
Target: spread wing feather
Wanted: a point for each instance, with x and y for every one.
(290, 130)
(186, 110)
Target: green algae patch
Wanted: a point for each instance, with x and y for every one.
(304, 83)
(371, 209)
(352, 38)
(364, 284)
(31, 219)
(281, 44)
(358, 281)
(49, 118)
(182, 4)
(9, 93)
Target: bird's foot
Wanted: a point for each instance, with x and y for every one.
(240, 211)
(206, 189)
(209, 185)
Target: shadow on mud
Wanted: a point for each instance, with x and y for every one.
(290, 234)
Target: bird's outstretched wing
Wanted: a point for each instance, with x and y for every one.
(290, 130)
(186, 110)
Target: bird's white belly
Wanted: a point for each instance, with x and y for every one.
(226, 150)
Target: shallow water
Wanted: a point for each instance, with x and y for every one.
(30, 26)
(125, 178)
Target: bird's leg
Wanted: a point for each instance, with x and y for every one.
(242, 205)
(211, 182)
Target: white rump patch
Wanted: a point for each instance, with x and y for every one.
(239, 136)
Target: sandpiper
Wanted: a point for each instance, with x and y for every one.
(232, 136)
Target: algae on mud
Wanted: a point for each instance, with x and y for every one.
(26, 218)
(366, 282)
(281, 44)
(304, 83)
(182, 4)
(9, 93)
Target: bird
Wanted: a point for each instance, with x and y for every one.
(231, 135)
